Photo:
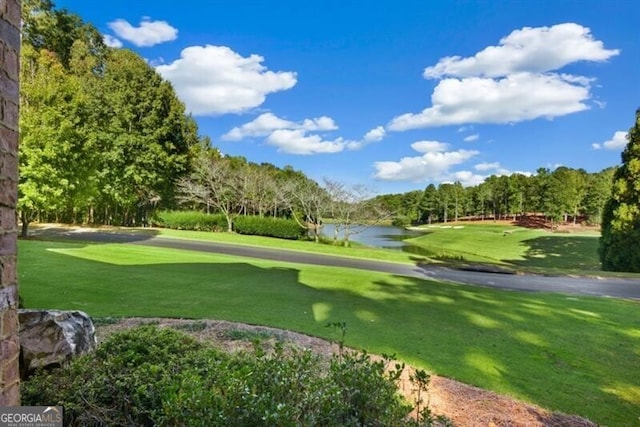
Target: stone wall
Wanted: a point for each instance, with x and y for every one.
(9, 96)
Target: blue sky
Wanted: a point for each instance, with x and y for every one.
(395, 94)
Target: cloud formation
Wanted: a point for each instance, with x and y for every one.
(433, 164)
(149, 33)
(295, 138)
(467, 178)
(483, 167)
(266, 123)
(472, 138)
(512, 82)
(111, 41)
(215, 80)
(617, 142)
(297, 141)
(374, 135)
(534, 50)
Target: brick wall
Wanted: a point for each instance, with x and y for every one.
(9, 94)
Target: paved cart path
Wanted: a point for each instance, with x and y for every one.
(611, 287)
(605, 287)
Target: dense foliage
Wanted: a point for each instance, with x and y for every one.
(190, 220)
(270, 227)
(103, 138)
(255, 225)
(621, 220)
(153, 376)
(563, 194)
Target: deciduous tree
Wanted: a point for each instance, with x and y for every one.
(214, 183)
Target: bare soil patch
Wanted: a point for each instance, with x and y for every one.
(463, 404)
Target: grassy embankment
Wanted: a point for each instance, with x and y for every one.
(517, 248)
(577, 355)
(511, 248)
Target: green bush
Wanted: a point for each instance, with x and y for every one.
(401, 221)
(122, 383)
(269, 227)
(153, 376)
(191, 220)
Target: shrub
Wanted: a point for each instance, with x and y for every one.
(269, 227)
(401, 221)
(122, 383)
(191, 220)
(152, 376)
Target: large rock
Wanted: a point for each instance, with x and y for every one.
(50, 337)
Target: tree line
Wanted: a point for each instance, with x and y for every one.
(564, 194)
(233, 186)
(104, 139)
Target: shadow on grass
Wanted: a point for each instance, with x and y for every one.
(91, 235)
(560, 251)
(568, 353)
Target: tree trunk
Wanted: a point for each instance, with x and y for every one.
(229, 222)
(24, 232)
(346, 236)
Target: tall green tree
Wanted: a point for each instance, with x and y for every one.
(100, 130)
(598, 191)
(429, 204)
(481, 195)
(56, 30)
(459, 195)
(55, 162)
(446, 196)
(621, 218)
(144, 138)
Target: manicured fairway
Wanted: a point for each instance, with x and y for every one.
(516, 246)
(577, 355)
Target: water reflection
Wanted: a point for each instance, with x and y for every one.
(380, 236)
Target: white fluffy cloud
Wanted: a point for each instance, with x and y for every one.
(617, 142)
(472, 138)
(295, 138)
(429, 146)
(518, 97)
(536, 50)
(214, 80)
(483, 167)
(496, 169)
(433, 164)
(511, 82)
(467, 178)
(111, 41)
(297, 141)
(374, 135)
(266, 123)
(149, 33)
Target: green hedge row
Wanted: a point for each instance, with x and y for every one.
(191, 220)
(157, 376)
(269, 227)
(251, 225)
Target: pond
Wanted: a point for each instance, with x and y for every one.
(381, 236)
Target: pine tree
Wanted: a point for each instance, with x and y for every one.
(621, 217)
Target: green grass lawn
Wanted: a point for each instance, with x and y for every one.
(576, 355)
(355, 251)
(522, 248)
